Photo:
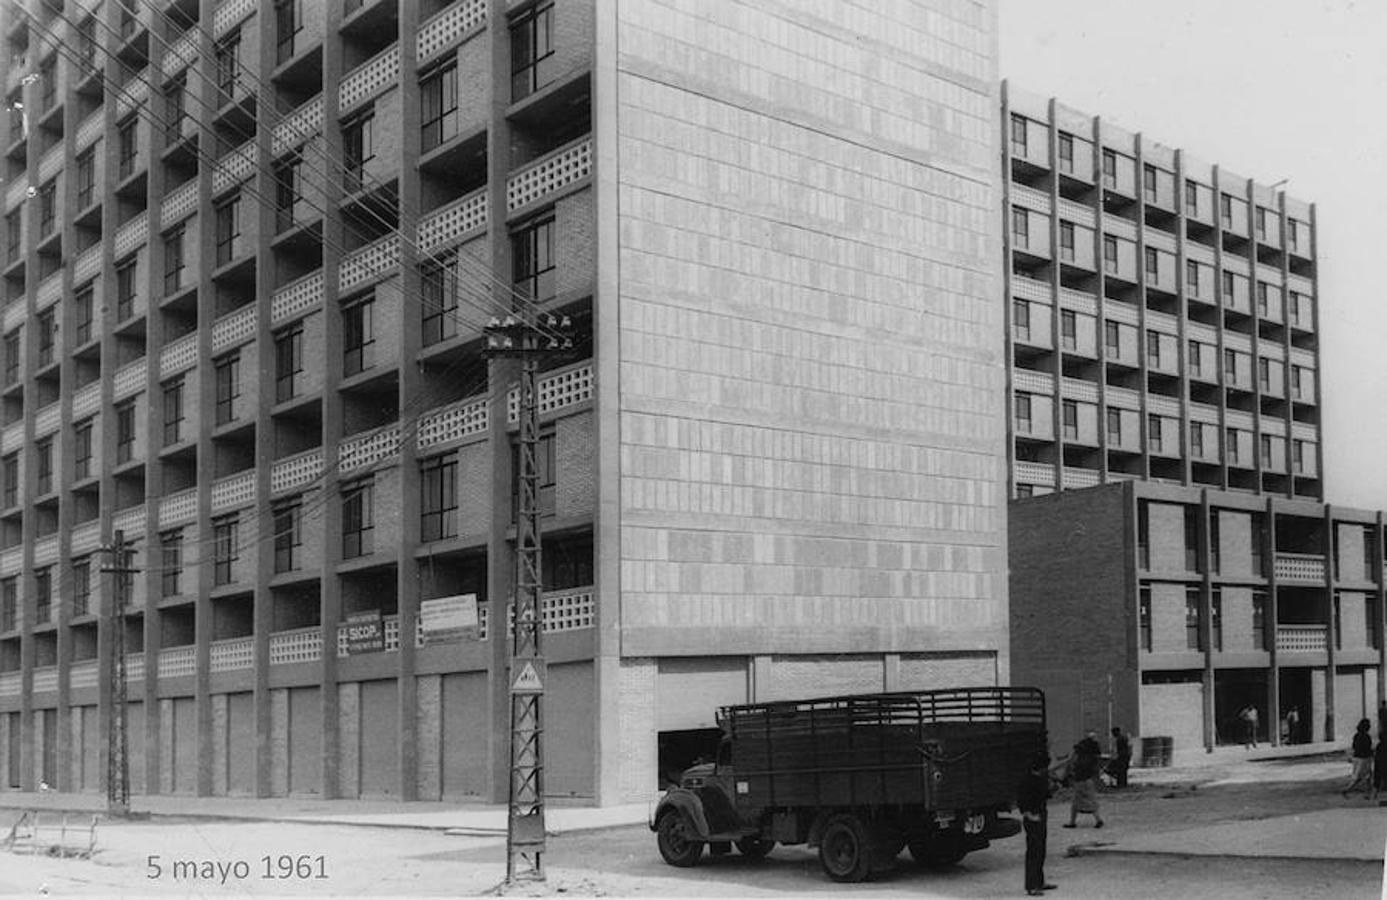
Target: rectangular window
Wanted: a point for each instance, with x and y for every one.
(534, 272)
(1023, 413)
(1192, 278)
(1215, 542)
(1070, 412)
(125, 289)
(1153, 433)
(82, 450)
(9, 604)
(438, 284)
(288, 23)
(43, 594)
(1196, 358)
(12, 357)
(173, 412)
(438, 99)
(288, 192)
(1228, 287)
(1192, 618)
(1292, 234)
(1148, 184)
(1230, 448)
(1216, 619)
(1020, 227)
(228, 62)
(1293, 307)
(127, 147)
(1144, 617)
(14, 233)
(357, 519)
(225, 548)
(1109, 168)
(228, 229)
(1196, 439)
(358, 337)
(1109, 253)
(48, 208)
(1018, 135)
(86, 43)
(532, 57)
(1296, 390)
(129, 24)
(1066, 148)
(227, 373)
(1230, 366)
(1263, 299)
(288, 525)
(1153, 264)
(1021, 320)
(1260, 217)
(358, 148)
(1114, 427)
(1226, 210)
(1112, 339)
(288, 362)
(175, 109)
(171, 563)
(1069, 330)
(1067, 241)
(48, 84)
(82, 315)
(1266, 450)
(438, 498)
(48, 333)
(1298, 457)
(43, 451)
(11, 484)
(173, 261)
(81, 587)
(86, 178)
(1153, 349)
(1264, 373)
(125, 432)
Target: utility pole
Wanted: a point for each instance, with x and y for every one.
(516, 338)
(117, 742)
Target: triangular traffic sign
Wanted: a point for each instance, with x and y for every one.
(527, 680)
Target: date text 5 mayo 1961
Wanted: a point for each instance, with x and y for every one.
(282, 867)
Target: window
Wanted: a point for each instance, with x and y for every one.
(81, 587)
(1192, 618)
(1018, 135)
(358, 337)
(11, 480)
(48, 332)
(288, 23)
(9, 604)
(1023, 413)
(12, 357)
(1192, 278)
(1293, 234)
(288, 362)
(1069, 331)
(171, 563)
(1226, 210)
(438, 498)
(1230, 450)
(1215, 542)
(1066, 147)
(1228, 285)
(228, 60)
(43, 594)
(357, 519)
(14, 233)
(227, 373)
(1298, 457)
(1230, 365)
(127, 147)
(228, 229)
(129, 24)
(125, 289)
(288, 525)
(1260, 219)
(439, 286)
(358, 148)
(288, 192)
(1144, 617)
(175, 109)
(1114, 427)
(1020, 227)
(532, 61)
(1293, 307)
(1021, 319)
(173, 261)
(1196, 357)
(1112, 339)
(532, 250)
(1266, 450)
(1148, 184)
(1196, 439)
(225, 552)
(1109, 253)
(48, 84)
(1369, 554)
(43, 451)
(86, 178)
(48, 208)
(438, 99)
(1263, 299)
(82, 315)
(1216, 618)
(1153, 433)
(1109, 168)
(1025, 490)
(1070, 412)
(1067, 241)
(1153, 264)
(1264, 373)
(1338, 604)
(125, 432)
(82, 450)
(1153, 349)
(86, 42)
(173, 412)
(1296, 392)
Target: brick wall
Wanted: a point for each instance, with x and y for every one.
(1237, 618)
(1175, 711)
(1348, 542)
(639, 750)
(474, 83)
(1166, 527)
(1168, 618)
(575, 457)
(1353, 619)
(575, 251)
(1235, 542)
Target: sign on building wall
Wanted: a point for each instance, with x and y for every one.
(448, 618)
(365, 632)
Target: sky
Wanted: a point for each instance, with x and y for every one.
(1269, 89)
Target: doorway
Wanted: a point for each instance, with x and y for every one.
(1234, 691)
(1295, 694)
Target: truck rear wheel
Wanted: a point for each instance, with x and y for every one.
(754, 847)
(678, 843)
(845, 848)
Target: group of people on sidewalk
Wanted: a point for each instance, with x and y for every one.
(1369, 773)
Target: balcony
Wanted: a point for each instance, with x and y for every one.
(1301, 638)
(1307, 567)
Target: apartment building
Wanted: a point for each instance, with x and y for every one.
(250, 251)
(1162, 314)
(1166, 610)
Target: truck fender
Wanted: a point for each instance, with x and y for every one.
(685, 802)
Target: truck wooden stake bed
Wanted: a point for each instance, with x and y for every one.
(861, 777)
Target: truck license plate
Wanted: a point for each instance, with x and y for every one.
(975, 824)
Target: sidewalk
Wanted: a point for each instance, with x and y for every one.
(1352, 833)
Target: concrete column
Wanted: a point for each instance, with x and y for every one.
(1331, 633)
(1206, 619)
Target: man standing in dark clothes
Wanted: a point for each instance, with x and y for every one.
(1032, 798)
(1122, 757)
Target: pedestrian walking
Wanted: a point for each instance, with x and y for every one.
(1122, 757)
(1293, 725)
(1361, 756)
(1083, 772)
(1032, 798)
(1379, 767)
(1248, 716)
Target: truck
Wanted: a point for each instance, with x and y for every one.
(860, 777)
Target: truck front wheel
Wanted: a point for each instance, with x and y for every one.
(845, 849)
(678, 844)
